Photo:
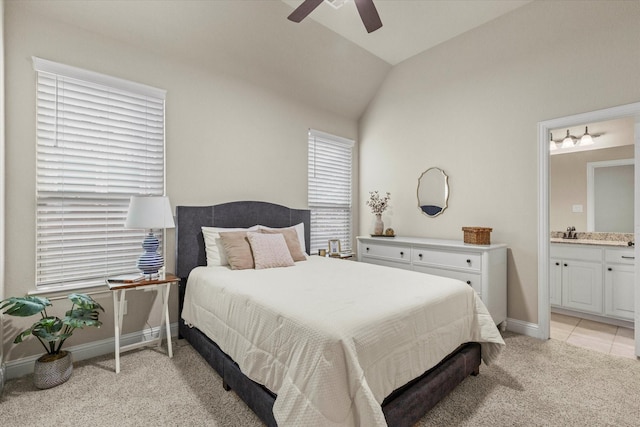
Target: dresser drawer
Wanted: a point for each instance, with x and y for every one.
(620, 256)
(463, 260)
(387, 252)
(472, 279)
(387, 262)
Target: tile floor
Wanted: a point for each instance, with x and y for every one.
(597, 336)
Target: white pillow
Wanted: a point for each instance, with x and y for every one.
(299, 229)
(213, 245)
(269, 250)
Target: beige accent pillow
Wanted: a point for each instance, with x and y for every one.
(291, 238)
(213, 244)
(269, 250)
(237, 249)
(299, 229)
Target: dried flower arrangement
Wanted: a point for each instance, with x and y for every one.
(378, 204)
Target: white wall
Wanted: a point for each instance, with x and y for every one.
(226, 140)
(471, 105)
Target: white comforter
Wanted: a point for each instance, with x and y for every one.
(333, 338)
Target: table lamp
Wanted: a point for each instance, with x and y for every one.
(150, 212)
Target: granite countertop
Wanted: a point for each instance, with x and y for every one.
(589, 242)
(595, 238)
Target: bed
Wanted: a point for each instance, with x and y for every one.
(366, 398)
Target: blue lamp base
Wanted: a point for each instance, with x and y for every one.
(150, 261)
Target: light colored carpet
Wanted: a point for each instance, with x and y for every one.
(535, 383)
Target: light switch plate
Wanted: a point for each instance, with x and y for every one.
(577, 208)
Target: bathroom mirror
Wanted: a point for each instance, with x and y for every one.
(596, 197)
(433, 192)
(610, 191)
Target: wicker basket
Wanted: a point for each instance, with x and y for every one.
(477, 235)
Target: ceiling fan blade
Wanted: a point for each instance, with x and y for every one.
(369, 15)
(303, 10)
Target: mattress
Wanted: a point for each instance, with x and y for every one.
(332, 338)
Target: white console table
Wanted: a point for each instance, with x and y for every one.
(483, 267)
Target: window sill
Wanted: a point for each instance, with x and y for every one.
(60, 292)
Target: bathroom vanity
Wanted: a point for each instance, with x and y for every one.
(592, 277)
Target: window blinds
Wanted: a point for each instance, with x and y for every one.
(100, 140)
(330, 181)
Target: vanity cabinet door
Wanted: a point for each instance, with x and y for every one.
(619, 290)
(582, 285)
(555, 281)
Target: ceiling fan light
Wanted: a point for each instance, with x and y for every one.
(336, 4)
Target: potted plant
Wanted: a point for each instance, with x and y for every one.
(54, 367)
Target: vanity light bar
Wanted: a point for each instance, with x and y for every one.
(570, 141)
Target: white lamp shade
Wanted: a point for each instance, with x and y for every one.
(149, 212)
(586, 140)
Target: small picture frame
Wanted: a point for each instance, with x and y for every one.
(334, 247)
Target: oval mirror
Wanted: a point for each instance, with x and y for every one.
(433, 192)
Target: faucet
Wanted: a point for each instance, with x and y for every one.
(570, 234)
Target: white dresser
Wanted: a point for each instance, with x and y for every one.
(483, 267)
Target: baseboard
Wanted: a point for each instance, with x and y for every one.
(3, 376)
(20, 367)
(524, 328)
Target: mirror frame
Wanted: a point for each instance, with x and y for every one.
(446, 192)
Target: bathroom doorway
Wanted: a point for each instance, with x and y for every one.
(629, 112)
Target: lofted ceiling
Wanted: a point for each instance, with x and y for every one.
(328, 60)
(409, 26)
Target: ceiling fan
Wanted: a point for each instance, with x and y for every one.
(366, 9)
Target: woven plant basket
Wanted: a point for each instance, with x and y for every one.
(52, 370)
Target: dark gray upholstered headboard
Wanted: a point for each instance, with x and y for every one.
(190, 252)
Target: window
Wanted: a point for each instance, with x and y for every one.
(330, 161)
(100, 140)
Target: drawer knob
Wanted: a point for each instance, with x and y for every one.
(367, 249)
(420, 256)
(609, 269)
(401, 253)
(566, 265)
(468, 282)
(557, 263)
(468, 261)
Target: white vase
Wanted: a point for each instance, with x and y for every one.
(378, 228)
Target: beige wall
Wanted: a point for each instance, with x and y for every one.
(471, 106)
(226, 140)
(2, 185)
(568, 184)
